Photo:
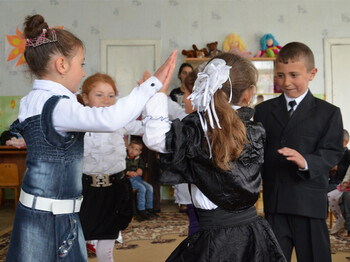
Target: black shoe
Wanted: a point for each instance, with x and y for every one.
(143, 214)
(152, 213)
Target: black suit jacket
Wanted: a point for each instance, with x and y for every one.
(316, 132)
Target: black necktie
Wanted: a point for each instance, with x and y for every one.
(291, 110)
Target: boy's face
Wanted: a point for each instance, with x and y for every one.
(134, 150)
(293, 78)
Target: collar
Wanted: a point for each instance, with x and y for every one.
(297, 100)
(133, 158)
(53, 87)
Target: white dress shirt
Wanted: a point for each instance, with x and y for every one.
(105, 153)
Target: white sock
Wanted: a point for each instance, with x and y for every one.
(104, 250)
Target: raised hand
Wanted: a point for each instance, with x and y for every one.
(146, 75)
(165, 72)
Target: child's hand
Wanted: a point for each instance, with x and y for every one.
(294, 156)
(165, 72)
(131, 173)
(146, 75)
(344, 186)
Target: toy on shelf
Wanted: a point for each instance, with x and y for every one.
(234, 44)
(269, 46)
(195, 53)
(213, 49)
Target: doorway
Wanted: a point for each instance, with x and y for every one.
(337, 75)
(126, 61)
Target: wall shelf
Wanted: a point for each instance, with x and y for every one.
(265, 66)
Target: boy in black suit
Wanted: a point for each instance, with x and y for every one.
(304, 141)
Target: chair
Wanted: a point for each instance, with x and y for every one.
(330, 216)
(9, 178)
(259, 199)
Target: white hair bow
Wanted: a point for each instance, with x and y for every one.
(214, 75)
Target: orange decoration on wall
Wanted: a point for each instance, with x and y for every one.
(19, 43)
(13, 104)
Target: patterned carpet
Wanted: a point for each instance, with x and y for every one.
(168, 223)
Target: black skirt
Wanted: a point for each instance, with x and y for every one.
(230, 236)
(106, 210)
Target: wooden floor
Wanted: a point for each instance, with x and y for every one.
(7, 213)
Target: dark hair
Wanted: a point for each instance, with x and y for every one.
(38, 57)
(136, 140)
(227, 143)
(182, 66)
(296, 51)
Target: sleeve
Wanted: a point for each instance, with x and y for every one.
(156, 122)
(134, 128)
(329, 150)
(175, 110)
(141, 164)
(347, 176)
(104, 119)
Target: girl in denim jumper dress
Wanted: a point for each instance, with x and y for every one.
(53, 122)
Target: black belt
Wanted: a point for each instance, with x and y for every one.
(220, 218)
(103, 180)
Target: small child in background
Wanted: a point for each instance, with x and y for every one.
(337, 173)
(134, 171)
(107, 205)
(333, 198)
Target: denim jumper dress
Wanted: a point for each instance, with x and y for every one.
(54, 169)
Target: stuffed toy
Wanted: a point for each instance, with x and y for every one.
(213, 49)
(199, 53)
(269, 46)
(234, 44)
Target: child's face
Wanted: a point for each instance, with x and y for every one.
(100, 96)
(293, 78)
(134, 150)
(76, 71)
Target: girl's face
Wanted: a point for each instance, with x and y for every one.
(76, 71)
(188, 106)
(184, 72)
(100, 96)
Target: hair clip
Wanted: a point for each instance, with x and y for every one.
(42, 39)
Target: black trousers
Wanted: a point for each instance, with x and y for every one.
(309, 236)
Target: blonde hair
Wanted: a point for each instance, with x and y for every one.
(231, 39)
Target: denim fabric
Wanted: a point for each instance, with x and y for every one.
(54, 169)
(144, 193)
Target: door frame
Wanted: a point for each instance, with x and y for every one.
(328, 43)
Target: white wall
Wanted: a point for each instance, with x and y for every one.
(178, 23)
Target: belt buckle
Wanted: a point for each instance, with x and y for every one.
(100, 180)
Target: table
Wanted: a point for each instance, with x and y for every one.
(10, 154)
